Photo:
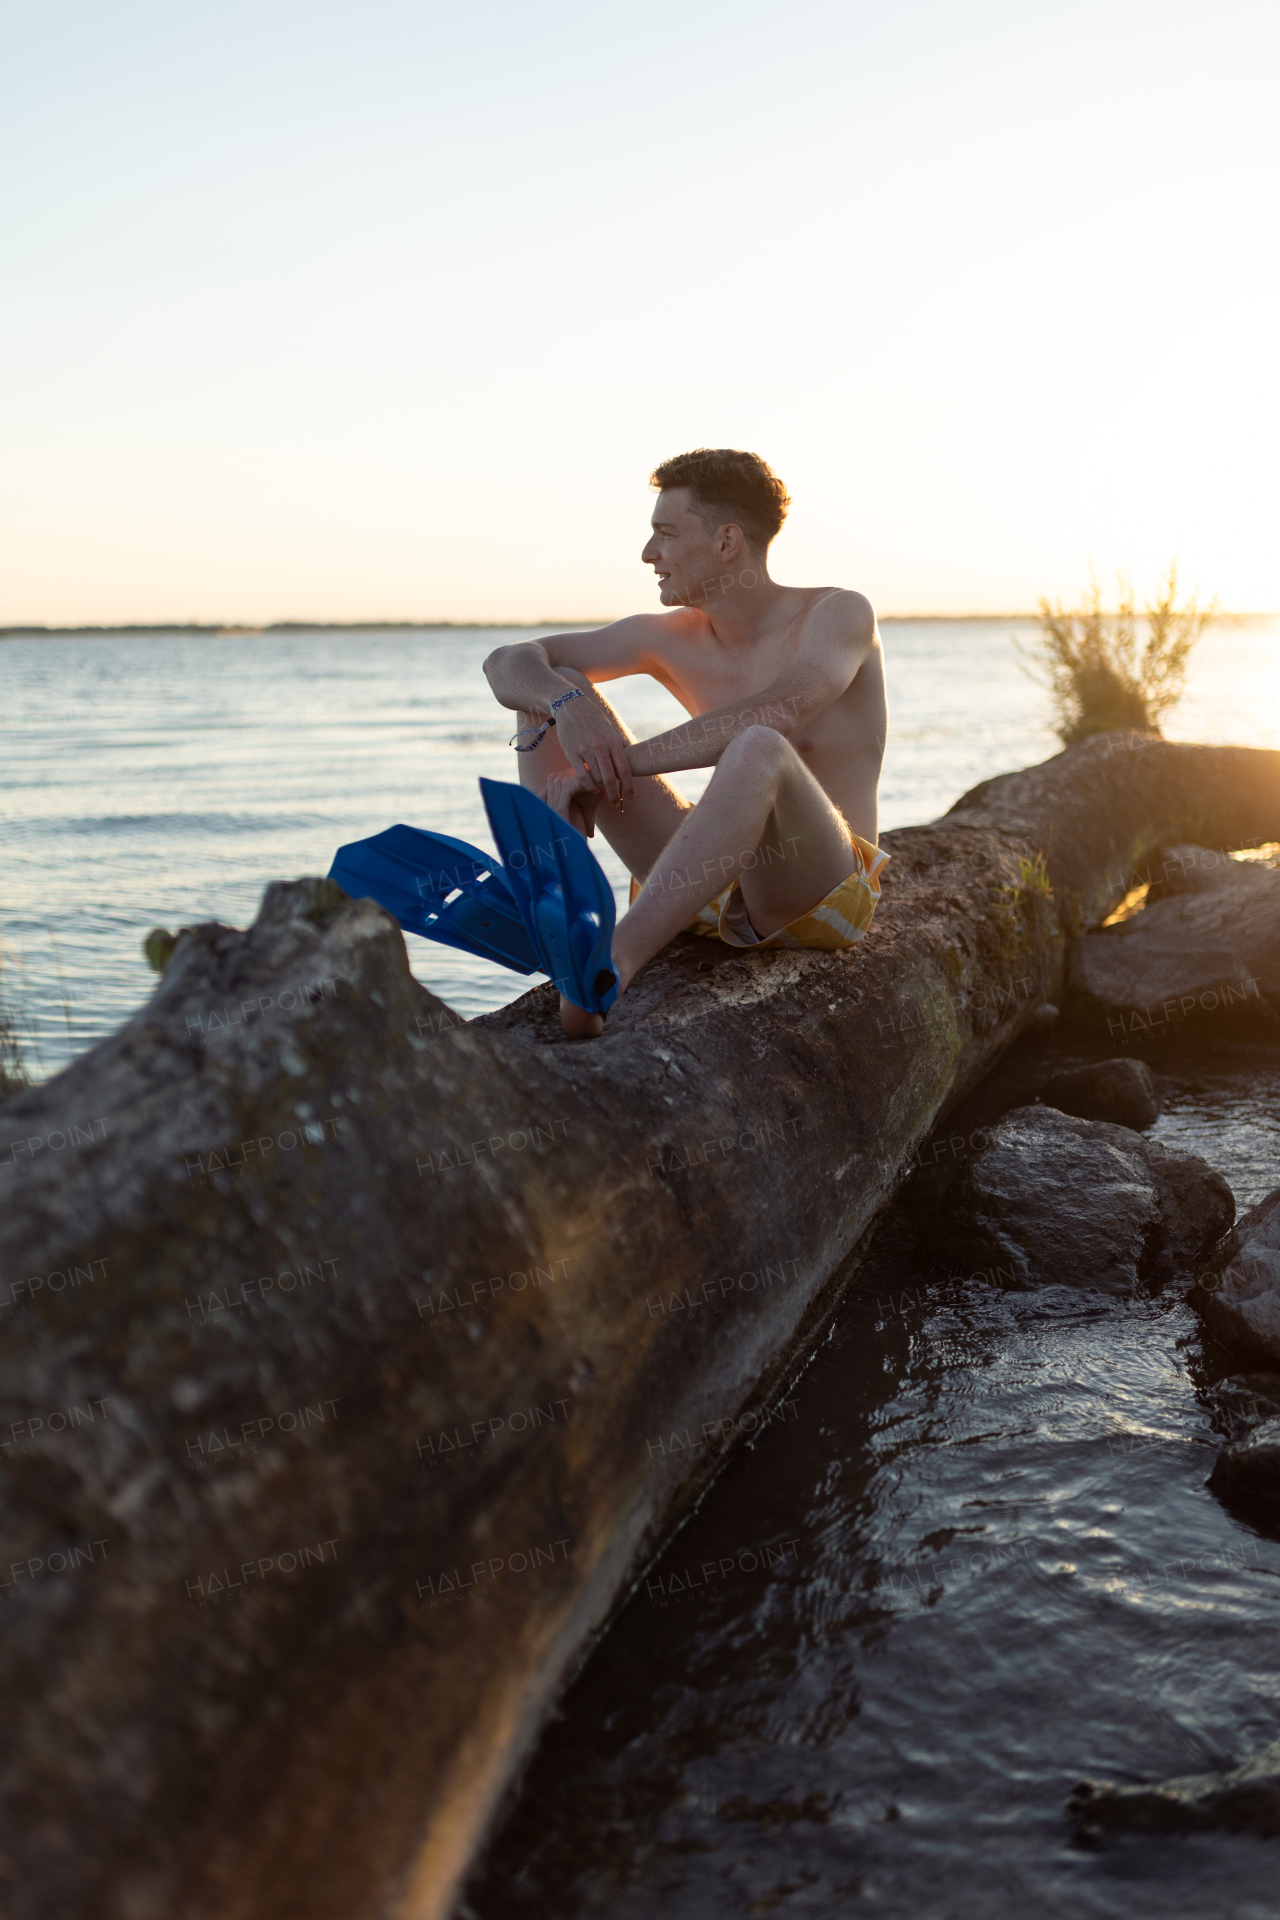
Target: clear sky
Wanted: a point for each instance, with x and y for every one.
(387, 310)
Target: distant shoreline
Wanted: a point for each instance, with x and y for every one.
(216, 631)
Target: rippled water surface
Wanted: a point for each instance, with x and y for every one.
(163, 780)
(972, 1562)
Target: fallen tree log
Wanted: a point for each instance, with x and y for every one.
(356, 1358)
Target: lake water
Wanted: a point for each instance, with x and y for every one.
(163, 780)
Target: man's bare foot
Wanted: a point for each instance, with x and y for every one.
(578, 1023)
(581, 1025)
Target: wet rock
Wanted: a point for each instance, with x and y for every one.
(1241, 1299)
(1052, 1200)
(1123, 1091)
(1244, 1400)
(1244, 1799)
(1204, 958)
(1246, 1475)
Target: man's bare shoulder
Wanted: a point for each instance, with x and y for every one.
(841, 607)
(672, 629)
(840, 623)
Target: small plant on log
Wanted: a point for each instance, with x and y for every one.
(1103, 675)
(1032, 882)
(158, 948)
(1032, 878)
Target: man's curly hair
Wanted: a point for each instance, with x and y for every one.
(727, 485)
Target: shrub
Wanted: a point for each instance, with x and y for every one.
(1102, 675)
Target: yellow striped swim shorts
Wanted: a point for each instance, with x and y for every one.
(837, 922)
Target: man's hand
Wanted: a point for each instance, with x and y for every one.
(575, 797)
(587, 739)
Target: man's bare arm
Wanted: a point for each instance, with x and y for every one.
(841, 633)
(526, 678)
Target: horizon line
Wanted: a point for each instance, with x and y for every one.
(233, 629)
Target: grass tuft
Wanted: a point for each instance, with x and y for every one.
(1104, 674)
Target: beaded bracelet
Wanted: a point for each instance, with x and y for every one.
(574, 693)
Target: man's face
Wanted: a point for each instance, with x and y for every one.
(681, 551)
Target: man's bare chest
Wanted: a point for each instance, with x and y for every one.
(700, 685)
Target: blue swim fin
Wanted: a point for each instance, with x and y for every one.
(560, 888)
(441, 888)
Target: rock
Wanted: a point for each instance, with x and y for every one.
(1123, 1091)
(1051, 1200)
(1245, 1400)
(1181, 870)
(1244, 1799)
(1241, 1298)
(1204, 959)
(1246, 1475)
(395, 1345)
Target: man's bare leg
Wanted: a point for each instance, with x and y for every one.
(639, 831)
(763, 820)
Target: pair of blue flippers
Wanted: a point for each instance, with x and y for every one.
(547, 909)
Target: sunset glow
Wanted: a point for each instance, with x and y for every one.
(388, 313)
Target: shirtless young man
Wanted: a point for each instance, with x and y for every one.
(786, 689)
